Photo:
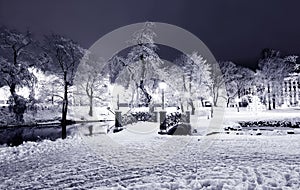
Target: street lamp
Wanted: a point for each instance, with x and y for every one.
(163, 86)
(162, 114)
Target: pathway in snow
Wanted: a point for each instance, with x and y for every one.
(132, 159)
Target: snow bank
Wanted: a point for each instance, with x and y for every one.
(29, 148)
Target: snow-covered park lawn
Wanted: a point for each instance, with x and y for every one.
(231, 117)
(231, 114)
(139, 158)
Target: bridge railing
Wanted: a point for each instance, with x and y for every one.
(133, 117)
(167, 122)
(173, 120)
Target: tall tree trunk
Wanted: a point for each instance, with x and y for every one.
(151, 107)
(269, 97)
(185, 90)
(183, 81)
(215, 97)
(190, 92)
(91, 96)
(187, 105)
(191, 103)
(91, 106)
(274, 101)
(52, 95)
(132, 98)
(146, 94)
(64, 108)
(181, 105)
(137, 95)
(239, 93)
(12, 90)
(19, 106)
(228, 100)
(142, 85)
(15, 56)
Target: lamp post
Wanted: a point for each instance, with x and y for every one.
(162, 86)
(163, 113)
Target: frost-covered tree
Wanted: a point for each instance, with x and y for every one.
(49, 88)
(175, 78)
(272, 70)
(240, 83)
(15, 60)
(91, 80)
(293, 59)
(141, 67)
(195, 78)
(227, 75)
(64, 57)
(245, 80)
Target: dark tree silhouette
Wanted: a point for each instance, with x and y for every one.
(15, 60)
(64, 57)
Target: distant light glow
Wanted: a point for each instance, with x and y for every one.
(162, 85)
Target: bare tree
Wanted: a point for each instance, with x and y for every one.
(65, 56)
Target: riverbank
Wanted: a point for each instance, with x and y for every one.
(15, 136)
(201, 125)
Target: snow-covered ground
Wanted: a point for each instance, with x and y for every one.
(231, 114)
(230, 117)
(139, 158)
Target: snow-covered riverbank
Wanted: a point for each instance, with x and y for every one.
(135, 160)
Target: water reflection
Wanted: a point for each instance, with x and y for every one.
(95, 128)
(15, 136)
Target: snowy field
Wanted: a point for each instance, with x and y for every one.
(140, 159)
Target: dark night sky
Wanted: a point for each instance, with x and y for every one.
(232, 29)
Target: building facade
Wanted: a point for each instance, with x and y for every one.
(291, 90)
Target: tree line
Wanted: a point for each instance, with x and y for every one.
(190, 77)
(20, 52)
(266, 82)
